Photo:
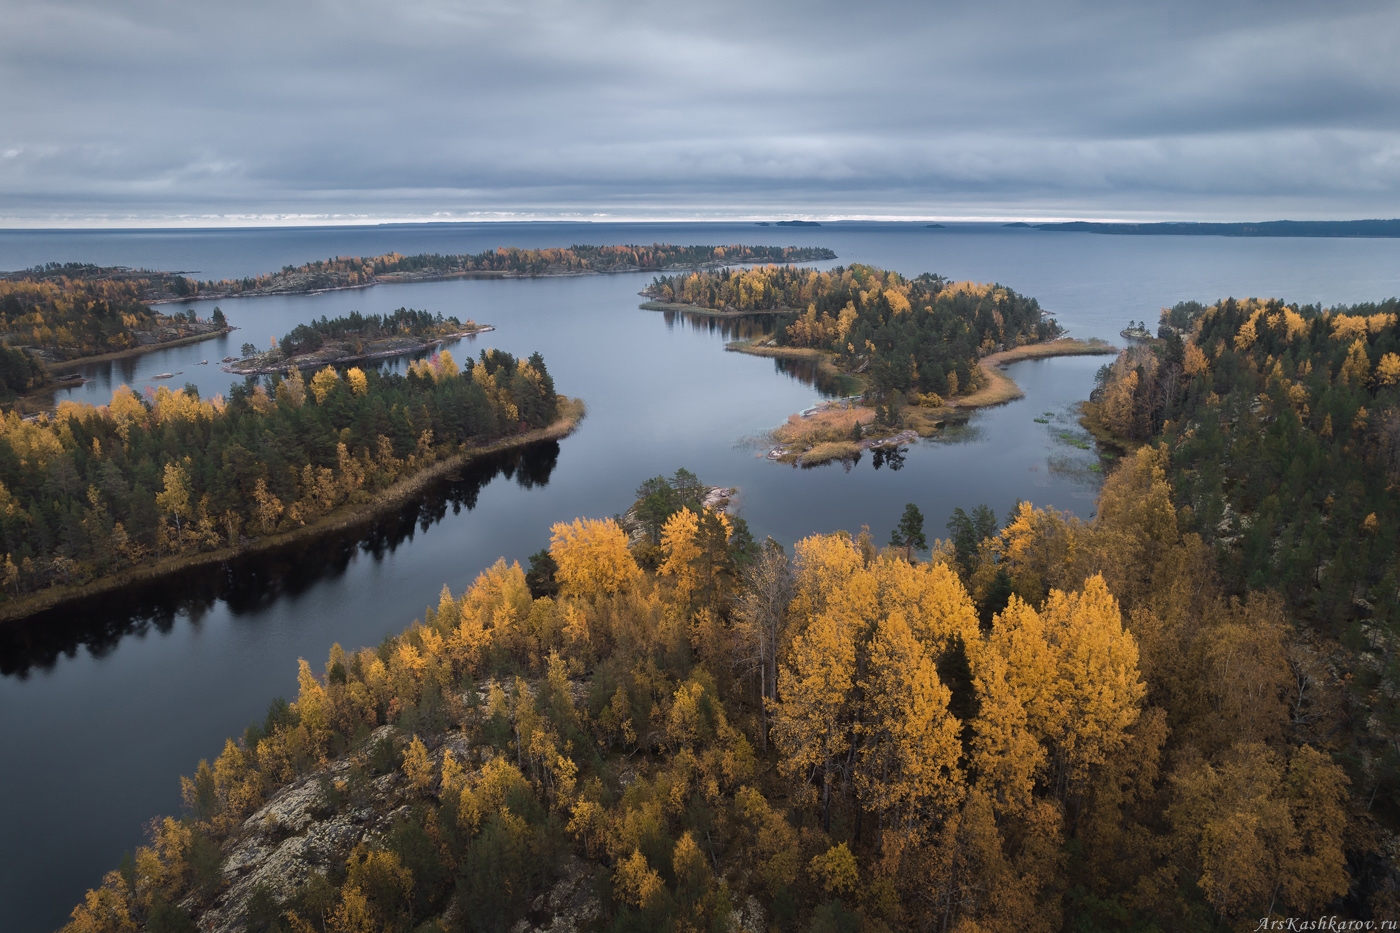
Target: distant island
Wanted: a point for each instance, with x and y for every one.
(1275, 228)
(1019, 223)
(798, 223)
(934, 227)
(343, 272)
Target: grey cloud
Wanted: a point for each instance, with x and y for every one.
(155, 109)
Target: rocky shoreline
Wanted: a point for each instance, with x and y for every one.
(322, 358)
(906, 436)
(717, 499)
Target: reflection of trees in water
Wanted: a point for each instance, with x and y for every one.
(737, 327)
(892, 457)
(754, 326)
(848, 463)
(809, 373)
(252, 583)
(960, 433)
(1079, 470)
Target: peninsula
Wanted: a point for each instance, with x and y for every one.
(158, 484)
(914, 353)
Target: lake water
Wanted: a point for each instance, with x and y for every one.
(103, 705)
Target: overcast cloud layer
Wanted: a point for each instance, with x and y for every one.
(151, 112)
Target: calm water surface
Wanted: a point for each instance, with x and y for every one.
(103, 705)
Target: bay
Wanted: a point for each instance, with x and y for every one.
(103, 704)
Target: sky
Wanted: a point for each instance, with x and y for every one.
(181, 112)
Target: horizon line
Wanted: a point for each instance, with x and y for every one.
(311, 221)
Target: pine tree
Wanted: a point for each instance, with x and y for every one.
(909, 533)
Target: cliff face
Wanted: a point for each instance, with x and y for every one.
(311, 826)
(302, 829)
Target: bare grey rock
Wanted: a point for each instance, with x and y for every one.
(567, 907)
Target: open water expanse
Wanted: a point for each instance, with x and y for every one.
(103, 705)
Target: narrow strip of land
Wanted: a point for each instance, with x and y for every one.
(1001, 388)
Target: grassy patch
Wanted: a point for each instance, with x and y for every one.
(829, 430)
(1042, 420)
(828, 451)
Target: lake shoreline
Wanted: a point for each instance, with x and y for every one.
(346, 517)
(918, 420)
(1001, 388)
(43, 397)
(139, 351)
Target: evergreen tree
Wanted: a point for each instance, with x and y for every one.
(909, 533)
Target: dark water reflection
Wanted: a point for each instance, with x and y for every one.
(249, 585)
(891, 458)
(730, 327)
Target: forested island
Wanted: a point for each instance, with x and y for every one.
(1271, 228)
(353, 338)
(1053, 724)
(97, 496)
(357, 272)
(919, 351)
(61, 313)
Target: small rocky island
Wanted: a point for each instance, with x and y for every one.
(351, 339)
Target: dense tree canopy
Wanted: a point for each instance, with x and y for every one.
(1283, 426)
(920, 336)
(358, 329)
(67, 317)
(92, 490)
(1118, 748)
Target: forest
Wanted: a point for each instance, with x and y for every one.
(90, 491)
(1057, 725)
(356, 329)
(919, 336)
(63, 312)
(150, 284)
(1281, 425)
